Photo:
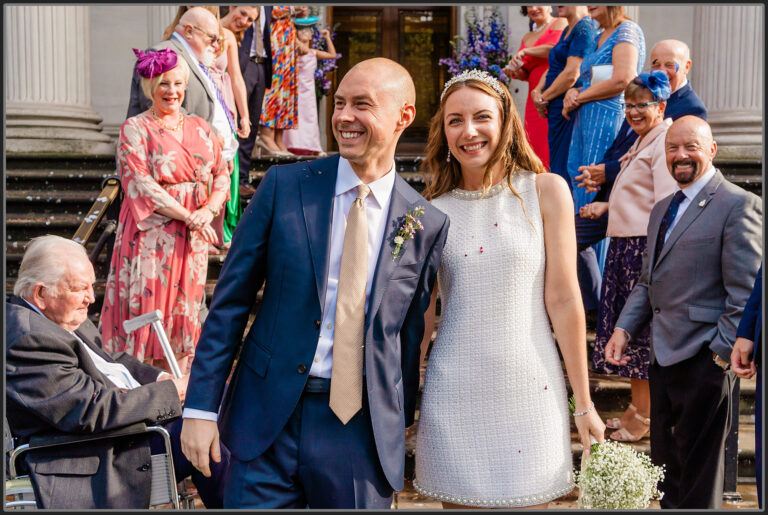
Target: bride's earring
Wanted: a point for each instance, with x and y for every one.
(448, 158)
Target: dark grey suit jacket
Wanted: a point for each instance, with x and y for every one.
(54, 388)
(198, 99)
(696, 292)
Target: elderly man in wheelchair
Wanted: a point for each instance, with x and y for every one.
(84, 412)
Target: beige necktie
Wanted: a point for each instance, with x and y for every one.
(348, 340)
(258, 39)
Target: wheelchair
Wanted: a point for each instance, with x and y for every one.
(163, 491)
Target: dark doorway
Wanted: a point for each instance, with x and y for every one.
(415, 36)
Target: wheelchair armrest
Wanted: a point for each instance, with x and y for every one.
(41, 442)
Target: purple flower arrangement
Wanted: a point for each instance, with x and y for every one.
(485, 47)
(323, 85)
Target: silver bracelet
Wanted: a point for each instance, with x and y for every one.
(580, 413)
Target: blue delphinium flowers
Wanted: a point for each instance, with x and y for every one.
(484, 48)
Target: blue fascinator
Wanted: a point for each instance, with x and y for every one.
(657, 83)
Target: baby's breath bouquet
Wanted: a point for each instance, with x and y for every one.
(617, 477)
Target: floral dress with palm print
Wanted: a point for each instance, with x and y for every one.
(279, 110)
(157, 262)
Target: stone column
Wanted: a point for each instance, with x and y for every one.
(48, 83)
(158, 19)
(727, 73)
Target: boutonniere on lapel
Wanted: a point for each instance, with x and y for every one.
(702, 203)
(407, 230)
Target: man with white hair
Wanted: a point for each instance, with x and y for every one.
(60, 381)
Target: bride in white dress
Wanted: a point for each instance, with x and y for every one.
(494, 422)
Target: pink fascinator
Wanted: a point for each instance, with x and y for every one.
(152, 63)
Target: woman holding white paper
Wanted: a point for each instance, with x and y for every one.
(597, 99)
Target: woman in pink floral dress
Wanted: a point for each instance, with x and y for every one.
(174, 182)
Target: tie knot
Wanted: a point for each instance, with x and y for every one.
(679, 197)
(362, 191)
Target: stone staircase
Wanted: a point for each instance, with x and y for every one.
(52, 196)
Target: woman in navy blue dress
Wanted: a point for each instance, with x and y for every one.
(564, 61)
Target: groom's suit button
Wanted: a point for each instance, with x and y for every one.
(317, 324)
(301, 369)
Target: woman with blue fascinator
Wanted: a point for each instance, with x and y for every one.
(643, 180)
(175, 181)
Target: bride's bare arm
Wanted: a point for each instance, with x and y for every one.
(562, 296)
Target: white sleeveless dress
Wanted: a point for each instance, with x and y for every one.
(494, 421)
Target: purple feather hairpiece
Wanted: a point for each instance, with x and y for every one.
(152, 63)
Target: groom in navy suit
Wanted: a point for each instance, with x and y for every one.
(326, 378)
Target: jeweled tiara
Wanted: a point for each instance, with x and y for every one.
(475, 74)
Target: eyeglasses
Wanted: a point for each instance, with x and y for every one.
(211, 37)
(641, 107)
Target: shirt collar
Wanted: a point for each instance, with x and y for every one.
(682, 85)
(381, 189)
(694, 188)
(186, 45)
(35, 308)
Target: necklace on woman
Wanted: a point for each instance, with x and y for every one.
(163, 125)
(539, 29)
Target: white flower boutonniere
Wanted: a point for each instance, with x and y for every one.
(407, 230)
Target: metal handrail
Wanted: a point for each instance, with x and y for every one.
(109, 192)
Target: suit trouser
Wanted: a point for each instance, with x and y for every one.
(211, 488)
(255, 84)
(690, 419)
(314, 462)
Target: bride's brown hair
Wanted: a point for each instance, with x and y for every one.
(513, 151)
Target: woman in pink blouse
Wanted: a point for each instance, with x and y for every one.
(175, 182)
(643, 180)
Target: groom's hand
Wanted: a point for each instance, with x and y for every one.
(199, 438)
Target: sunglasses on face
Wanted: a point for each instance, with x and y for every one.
(211, 37)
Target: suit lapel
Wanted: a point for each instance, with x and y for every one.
(398, 207)
(318, 188)
(193, 65)
(81, 333)
(692, 213)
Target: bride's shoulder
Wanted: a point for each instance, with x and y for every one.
(553, 192)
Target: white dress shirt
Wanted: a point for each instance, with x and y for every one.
(219, 122)
(376, 209)
(690, 192)
(261, 21)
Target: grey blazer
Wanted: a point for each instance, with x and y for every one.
(54, 388)
(696, 292)
(198, 99)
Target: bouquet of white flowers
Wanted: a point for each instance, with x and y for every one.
(617, 477)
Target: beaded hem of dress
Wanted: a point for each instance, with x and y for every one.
(527, 500)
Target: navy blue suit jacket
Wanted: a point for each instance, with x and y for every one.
(283, 240)
(682, 102)
(751, 324)
(244, 50)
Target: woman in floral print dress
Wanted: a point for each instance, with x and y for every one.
(279, 110)
(174, 182)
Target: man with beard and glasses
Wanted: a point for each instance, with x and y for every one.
(704, 250)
